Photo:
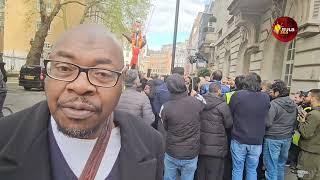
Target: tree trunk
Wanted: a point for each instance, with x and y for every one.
(34, 55)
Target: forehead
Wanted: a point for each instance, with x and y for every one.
(89, 51)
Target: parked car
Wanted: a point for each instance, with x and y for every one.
(32, 76)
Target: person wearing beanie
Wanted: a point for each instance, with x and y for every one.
(181, 120)
(135, 102)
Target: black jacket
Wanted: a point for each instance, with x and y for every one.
(249, 111)
(282, 118)
(181, 119)
(24, 151)
(215, 119)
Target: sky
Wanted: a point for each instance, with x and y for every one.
(160, 23)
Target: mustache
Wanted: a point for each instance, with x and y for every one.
(78, 102)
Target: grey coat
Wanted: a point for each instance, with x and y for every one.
(136, 103)
(282, 118)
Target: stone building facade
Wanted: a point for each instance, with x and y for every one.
(243, 41)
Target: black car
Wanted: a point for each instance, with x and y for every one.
(32, 76)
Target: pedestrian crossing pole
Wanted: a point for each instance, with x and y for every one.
(175, 35)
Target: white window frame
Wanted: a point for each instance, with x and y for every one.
(289, 62)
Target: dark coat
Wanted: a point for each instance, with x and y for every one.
(181, 120)
(24, 151)
(215, 119)
(249, 111)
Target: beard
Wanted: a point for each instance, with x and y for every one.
(78, 133)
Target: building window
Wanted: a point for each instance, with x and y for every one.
(2, 3)
(38, 5)
(289, 63)
(316, 9)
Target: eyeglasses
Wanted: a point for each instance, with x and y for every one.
(69, 72)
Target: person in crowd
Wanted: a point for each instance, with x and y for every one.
(309, 128)
(77, 133)
(238, 83)
(299, 97)
(181, 120)
(196, 83)
(3, 86)
(135, 102)
(178, 70)
(302, 101)
(161, 95)
(280, 128)
(215, 77)
(266, 86)
(249, 108)
(188, 81)
(215, 119)
(142, 84)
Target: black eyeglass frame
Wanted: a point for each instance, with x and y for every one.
(85, 70)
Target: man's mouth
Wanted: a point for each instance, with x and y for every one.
(78, 110)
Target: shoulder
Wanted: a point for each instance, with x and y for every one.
(133, 126)
(10, 125)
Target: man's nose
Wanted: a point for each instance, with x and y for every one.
(81, 85)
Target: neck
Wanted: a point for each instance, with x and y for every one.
(101, 128)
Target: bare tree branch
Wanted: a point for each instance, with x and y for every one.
(86, 10)
(76, 2)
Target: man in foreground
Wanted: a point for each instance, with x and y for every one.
(76, 133)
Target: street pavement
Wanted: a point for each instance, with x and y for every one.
(18, 99)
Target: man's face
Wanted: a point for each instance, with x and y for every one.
(147, 89)
(308, 99)
(297, 99)
(80, 108)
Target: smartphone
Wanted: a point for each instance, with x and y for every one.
(301, 111)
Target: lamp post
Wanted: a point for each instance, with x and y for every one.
(175, 35)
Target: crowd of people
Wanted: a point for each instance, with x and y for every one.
(238, 128)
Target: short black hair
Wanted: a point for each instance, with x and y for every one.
(239, 81)
(315, 93)
(214, 87)
(281, 87)
(217, 75)
(178, 70)
(252, 82)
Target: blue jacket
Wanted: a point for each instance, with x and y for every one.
(205, 88)
(162, 95)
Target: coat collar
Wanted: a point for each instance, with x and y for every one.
(29, 145)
